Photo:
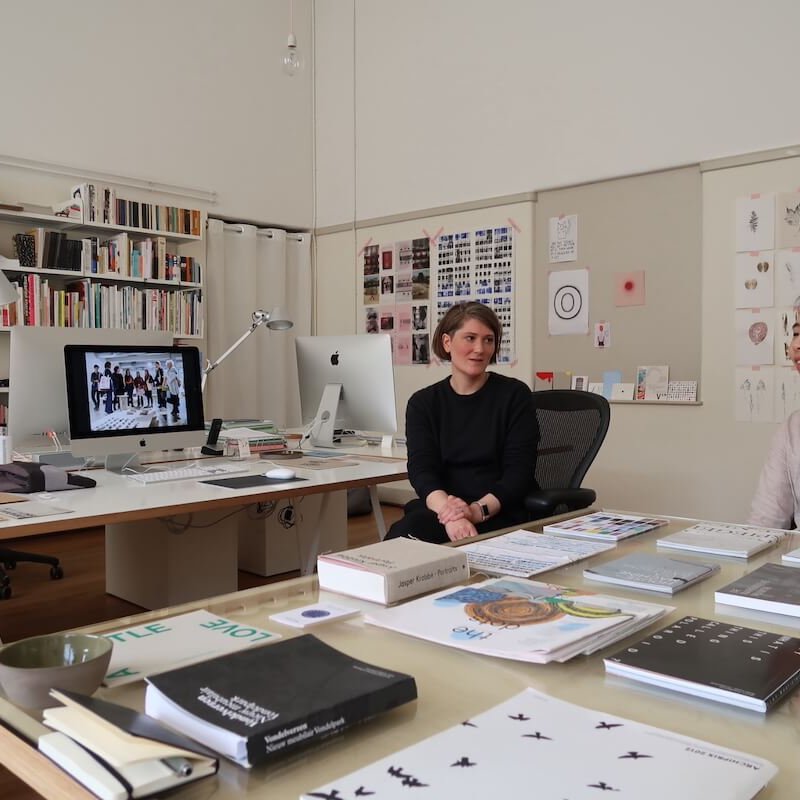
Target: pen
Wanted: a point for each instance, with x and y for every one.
(180, 766)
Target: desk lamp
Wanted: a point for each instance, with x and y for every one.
(275, 320)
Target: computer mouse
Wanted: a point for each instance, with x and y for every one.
(280, 473)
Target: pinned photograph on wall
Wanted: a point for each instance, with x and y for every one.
(404, 255)
(755, 280)
(419, 317)
(387, 258)
(371, 259)
(787, 392)
(387, 288)
(629, 288)
(580, 382)
(420, 284)
(568, 302)
(602, 334)
(371, 288)
(403, 319)
(563, 237)
(787, 277)
(420, 349)
(787, 220)
(386, 320)
(754, 336)
(755, 223)
(402, 349)
(652, 382)
(754, 394)
(785, 319)
(402, 288)
(371, 320)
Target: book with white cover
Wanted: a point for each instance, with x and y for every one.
(723, 539)
(524, 553)
(536, 746)
(651, 572)
(141, 650)
(519, 619)
(392, 570)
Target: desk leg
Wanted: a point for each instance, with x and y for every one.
(158, 563)
(319, 528)
(377, 512)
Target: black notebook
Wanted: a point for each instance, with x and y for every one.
(266, 702)
(771, 587)
(742, 666)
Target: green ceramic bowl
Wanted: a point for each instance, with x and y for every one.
(30, 668)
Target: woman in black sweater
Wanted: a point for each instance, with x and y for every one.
(471, 437)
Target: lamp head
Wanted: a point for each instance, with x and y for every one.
(275, 320)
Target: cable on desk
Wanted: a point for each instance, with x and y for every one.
(177, 528)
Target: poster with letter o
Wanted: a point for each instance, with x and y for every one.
(568, 302)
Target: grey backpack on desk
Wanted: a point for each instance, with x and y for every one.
(27, 477)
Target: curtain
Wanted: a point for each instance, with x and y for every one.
(252, 268)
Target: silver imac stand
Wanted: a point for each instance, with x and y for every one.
(322, 429)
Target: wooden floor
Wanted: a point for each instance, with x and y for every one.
(40, 605)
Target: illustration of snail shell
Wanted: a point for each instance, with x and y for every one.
(751, 284)
(757, 332)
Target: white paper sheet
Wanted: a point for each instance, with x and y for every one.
(568, 302)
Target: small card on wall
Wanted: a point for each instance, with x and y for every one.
(622, 391)
(580, 382)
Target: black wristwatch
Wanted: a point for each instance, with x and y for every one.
(484, 510)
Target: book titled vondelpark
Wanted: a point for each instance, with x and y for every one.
(263, 703)
(393, 570)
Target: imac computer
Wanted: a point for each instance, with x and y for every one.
(131, 399)
(36, 386)
(346, 382)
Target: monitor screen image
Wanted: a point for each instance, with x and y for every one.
(346, 382)
(130, 399)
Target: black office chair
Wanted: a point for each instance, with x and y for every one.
(572, 426)
(9, 559)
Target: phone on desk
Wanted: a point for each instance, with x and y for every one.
(209, 449)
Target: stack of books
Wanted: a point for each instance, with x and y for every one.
(519, 619)
(258, 440)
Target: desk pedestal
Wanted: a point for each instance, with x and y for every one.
(158, 563)
(277, 543)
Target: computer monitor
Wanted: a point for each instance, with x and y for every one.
(36, 386)
(159, 408)
(346, 382)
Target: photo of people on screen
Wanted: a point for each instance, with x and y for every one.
(135, 390)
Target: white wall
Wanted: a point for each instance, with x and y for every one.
(186, 92)
(462, 100)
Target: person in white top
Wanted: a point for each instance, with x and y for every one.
(776, 503)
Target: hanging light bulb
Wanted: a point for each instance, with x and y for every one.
(292, 58)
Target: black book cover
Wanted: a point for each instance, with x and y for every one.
(770, 583)
(729, 658)
(277, 698)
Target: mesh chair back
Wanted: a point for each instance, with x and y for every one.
(572, 426)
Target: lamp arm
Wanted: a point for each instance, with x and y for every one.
(210, 366)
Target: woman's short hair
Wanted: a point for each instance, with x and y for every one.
(455, 318)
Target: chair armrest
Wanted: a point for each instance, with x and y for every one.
(547, 502)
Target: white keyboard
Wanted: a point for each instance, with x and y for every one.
(197, 472)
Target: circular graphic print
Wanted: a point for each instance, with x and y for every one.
(757, 332)
(567, 302)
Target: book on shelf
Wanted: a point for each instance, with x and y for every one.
(131, 754)
(652, 572)
(535, 745)
(723, 539)
(519, 619)
(721, 661)
(392, 570)
(525, 553)
(792, 557)
(141, 650)
(770, 587)
(263, 703)
(605, 526)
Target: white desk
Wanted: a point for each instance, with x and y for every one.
(177, 541)
(454, 685)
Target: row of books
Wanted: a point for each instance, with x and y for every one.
(97, 203)
(121, 256)
(84, 304)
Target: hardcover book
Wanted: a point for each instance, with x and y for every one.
(134, 755)
(392, 570)
(719, 661)
(263, 703)
(792, 557)
(536, 746)
(771, 587)
(723, 539)
(519, 619)
(524, 553)
(604, 526)
(651, 572)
